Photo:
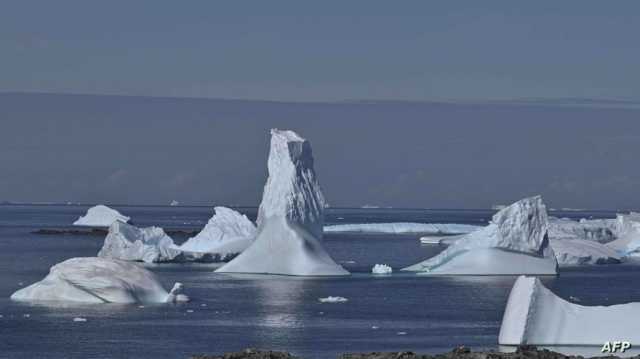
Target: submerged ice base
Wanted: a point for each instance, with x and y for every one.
(536, 316)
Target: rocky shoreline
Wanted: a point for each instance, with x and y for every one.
(522, 352)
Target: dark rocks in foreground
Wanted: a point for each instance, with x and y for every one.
(522, 352)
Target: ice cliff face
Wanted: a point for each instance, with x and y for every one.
(127, 242)
(100, 216)
(98, 280)
(290, 216)
(598, 230)
(627, 227)
(536, 316)
(226, 234)
(573, 252)
(515, 242)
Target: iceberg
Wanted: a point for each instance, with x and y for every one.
(535, 315)
(98, 280)
(598, 230)
(333, 300)
(290, 216)
(402, 227)
(100, 216)
(573, 252)
(627, 227)
(515, 242)
(130, 243)
(381, 269)
(227, 234)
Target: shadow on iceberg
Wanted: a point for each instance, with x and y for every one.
(290, 217)
(515, 242)
(535, 315)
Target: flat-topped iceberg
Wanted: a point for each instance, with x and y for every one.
(598, 230)
(130, 243)
(290, 217)
(402, 227)
(515, 242)
(227, 234)
(573, 252)
(99, 280)
(536, 316)
(100, 216)
(381, 269)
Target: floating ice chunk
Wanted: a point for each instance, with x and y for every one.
(174, 203)
(227, 234)
(100, 216)
(402, 227)
(572, 252)
(290, 217)
(130, 243)
(176, 295)
(79, 319)
(96, 280)
(381, 269)
(515, 242)
(536, 316)
(333, 300)
(401, 333)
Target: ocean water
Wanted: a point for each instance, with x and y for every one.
(229, 313)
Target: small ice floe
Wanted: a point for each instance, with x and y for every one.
(26, 315)
(203, 304)
(321, 313)
(331, 299)
(375, 327)
(189, 310)
(401, 333)
(79, 319)
(381, 269)
(574, 299)
(141, 306)
(348, 262)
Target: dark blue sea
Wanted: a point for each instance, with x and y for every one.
(227, 313)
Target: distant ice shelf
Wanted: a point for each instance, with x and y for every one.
(402, 227)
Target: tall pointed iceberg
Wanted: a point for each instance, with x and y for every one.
(515, 242)
(290, 217)
(534, 315)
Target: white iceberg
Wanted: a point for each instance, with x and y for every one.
(536, 316)
(100, 216)
(127, 242)
(227, 234)
(98, 280)
(573, 252)
(515, 242)
(598, 230)
(381, 269)
(402, 227)
(333, 300)
(627, 229)
(290, 216)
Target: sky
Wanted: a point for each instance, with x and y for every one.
(438, 104)
(323, 50)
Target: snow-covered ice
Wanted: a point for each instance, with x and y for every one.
(96, 280)
(534, 315)
(402, 227)
(130, 243)
(226, 234)
(627, 228)
(572, 252)
(598, 230)
(381, 269)
(515, 242)
(290, 217)
(100, 216)
(331, 299)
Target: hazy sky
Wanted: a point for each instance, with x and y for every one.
(541, 97)
(323, 50)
